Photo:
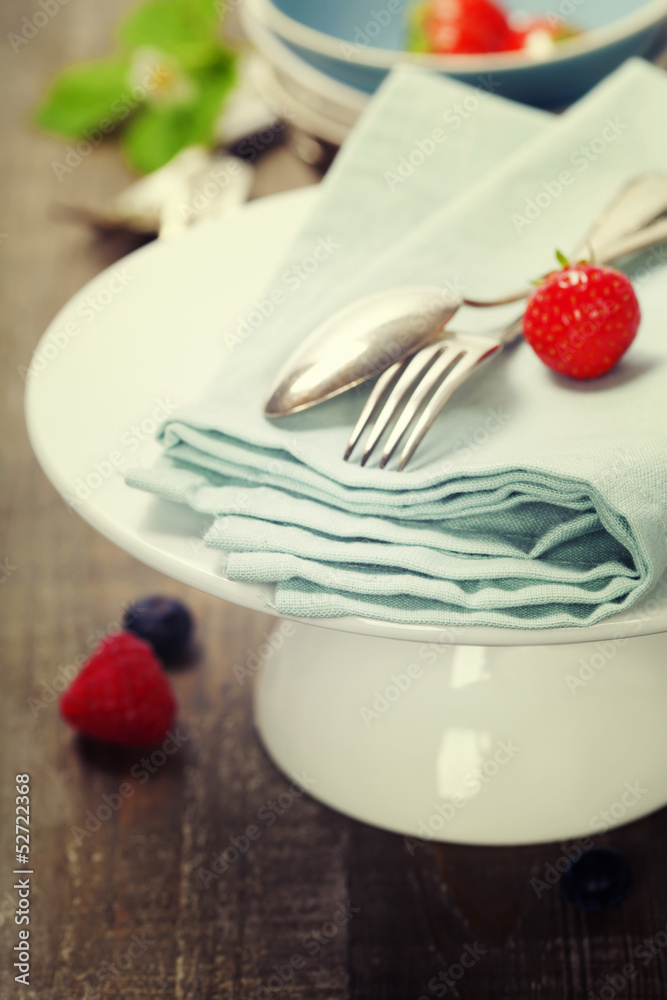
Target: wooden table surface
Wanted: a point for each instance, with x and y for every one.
(121, 909)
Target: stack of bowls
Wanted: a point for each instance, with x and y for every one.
(319, 60)
(319, 109)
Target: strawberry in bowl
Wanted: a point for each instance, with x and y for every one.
(469, 27)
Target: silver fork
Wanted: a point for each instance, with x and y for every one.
(416, 390)
(420, 387)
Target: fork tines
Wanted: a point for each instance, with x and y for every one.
(414, 392)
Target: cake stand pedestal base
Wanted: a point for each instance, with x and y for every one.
(469, 744)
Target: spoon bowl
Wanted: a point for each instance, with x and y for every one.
(358, 342)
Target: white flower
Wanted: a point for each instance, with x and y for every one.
(160, 77)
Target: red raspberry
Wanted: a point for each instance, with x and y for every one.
(582, 319)
(120, 694)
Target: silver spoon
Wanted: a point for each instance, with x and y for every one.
(359, 342)
(368, 336)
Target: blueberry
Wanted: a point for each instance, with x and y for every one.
(598, 881)
(163, 622)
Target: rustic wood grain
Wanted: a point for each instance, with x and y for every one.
(145, 879)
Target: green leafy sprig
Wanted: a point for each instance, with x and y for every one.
(162, 90)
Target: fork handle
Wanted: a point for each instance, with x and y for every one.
(511, 332)
(644, 239)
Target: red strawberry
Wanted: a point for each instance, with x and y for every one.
(466, 26)
(582, 319)
(120, 694)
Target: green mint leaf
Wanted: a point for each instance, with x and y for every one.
(213, 83)
(85, 97)
(184, 28)
(212, 11)
(156, 134)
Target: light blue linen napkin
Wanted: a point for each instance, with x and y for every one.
(534, 501)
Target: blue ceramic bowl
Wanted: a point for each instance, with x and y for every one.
(359, 41)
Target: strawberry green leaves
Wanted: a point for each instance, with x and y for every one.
(165, 86)
(184, 28)
(82, 97)
(164, 126)
(417, 40)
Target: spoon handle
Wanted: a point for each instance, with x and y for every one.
(630, 223)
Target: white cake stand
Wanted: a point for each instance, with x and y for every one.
(507, 737)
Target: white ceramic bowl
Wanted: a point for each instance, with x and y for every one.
(298, 92)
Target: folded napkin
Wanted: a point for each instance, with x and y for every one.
(534, 501)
